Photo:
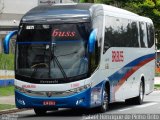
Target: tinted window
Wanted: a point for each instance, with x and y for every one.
(150, 31)
(95, 57)
(34, 33)
(143, 35)
(120, 32)
(134, 35)
(65, 58)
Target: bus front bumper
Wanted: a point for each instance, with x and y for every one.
(78, 100)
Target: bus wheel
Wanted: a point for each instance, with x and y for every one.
(104, 107)
(139, 99)
(40, 112)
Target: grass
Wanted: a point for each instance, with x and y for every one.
(6, 106)
(157, 74)
(6, 61)
(7, 91)
(157, 86)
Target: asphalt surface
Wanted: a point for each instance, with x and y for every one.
(150, 106)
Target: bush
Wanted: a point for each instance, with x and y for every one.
(6, 61)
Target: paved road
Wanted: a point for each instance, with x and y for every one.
(151, 106)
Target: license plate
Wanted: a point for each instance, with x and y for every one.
(49, 103)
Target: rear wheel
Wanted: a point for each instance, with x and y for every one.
(105, 101)
(139, 99)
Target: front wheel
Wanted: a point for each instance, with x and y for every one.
(40, 112)
(105, 101)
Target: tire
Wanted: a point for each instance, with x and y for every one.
(105, 102)
(139, 99)
(40, 112)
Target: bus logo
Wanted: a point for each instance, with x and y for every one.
(58, 33)
(117, 56)
(49, 94)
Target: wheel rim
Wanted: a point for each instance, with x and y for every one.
(141, 92)
(105, 100)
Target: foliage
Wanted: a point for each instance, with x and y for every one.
(157, 86)
(6, 106)
(6, 61)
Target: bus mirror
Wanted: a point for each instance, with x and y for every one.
(7, 41)
(92, 40)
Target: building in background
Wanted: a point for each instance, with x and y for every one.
(11, 11)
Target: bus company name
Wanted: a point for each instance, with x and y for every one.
(75, 85)
(28, 86)
(58, 33)
(117, 56)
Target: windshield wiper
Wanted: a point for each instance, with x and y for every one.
(37, 66)
(54, 58)
(41, 64)
(67, 54)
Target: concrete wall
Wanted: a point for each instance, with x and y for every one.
(1, 6)
(22, 6)
(18, 6)
(6, 77)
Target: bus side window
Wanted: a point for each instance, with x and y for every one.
(143, 35)
(134, 34)
(150, 31)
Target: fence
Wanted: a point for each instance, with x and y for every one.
(6, 77)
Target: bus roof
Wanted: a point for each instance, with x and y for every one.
(75, 10)
(58, 11)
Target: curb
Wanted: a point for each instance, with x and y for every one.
(7, 111)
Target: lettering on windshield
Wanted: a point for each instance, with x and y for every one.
(58, 33)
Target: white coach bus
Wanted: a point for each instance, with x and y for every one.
(82, 56)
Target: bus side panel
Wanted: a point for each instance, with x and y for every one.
(125, 73)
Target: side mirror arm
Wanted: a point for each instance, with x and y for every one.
(7, 41)
(92, 40)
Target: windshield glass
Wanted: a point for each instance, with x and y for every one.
(52, 51)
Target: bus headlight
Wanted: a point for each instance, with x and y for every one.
(54, 93)
(79, 89)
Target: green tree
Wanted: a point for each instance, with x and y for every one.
(148, 8)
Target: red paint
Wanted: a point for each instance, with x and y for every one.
(75, 85)
(49, 103)
(131, 71)
(117, 56)
(28, 86)
(58, 33)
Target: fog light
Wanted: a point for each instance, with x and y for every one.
(79, 101)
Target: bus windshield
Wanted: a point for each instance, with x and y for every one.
(52, 51)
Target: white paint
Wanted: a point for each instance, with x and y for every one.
(49, 87)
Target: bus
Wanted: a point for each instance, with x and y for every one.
(82, 56)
